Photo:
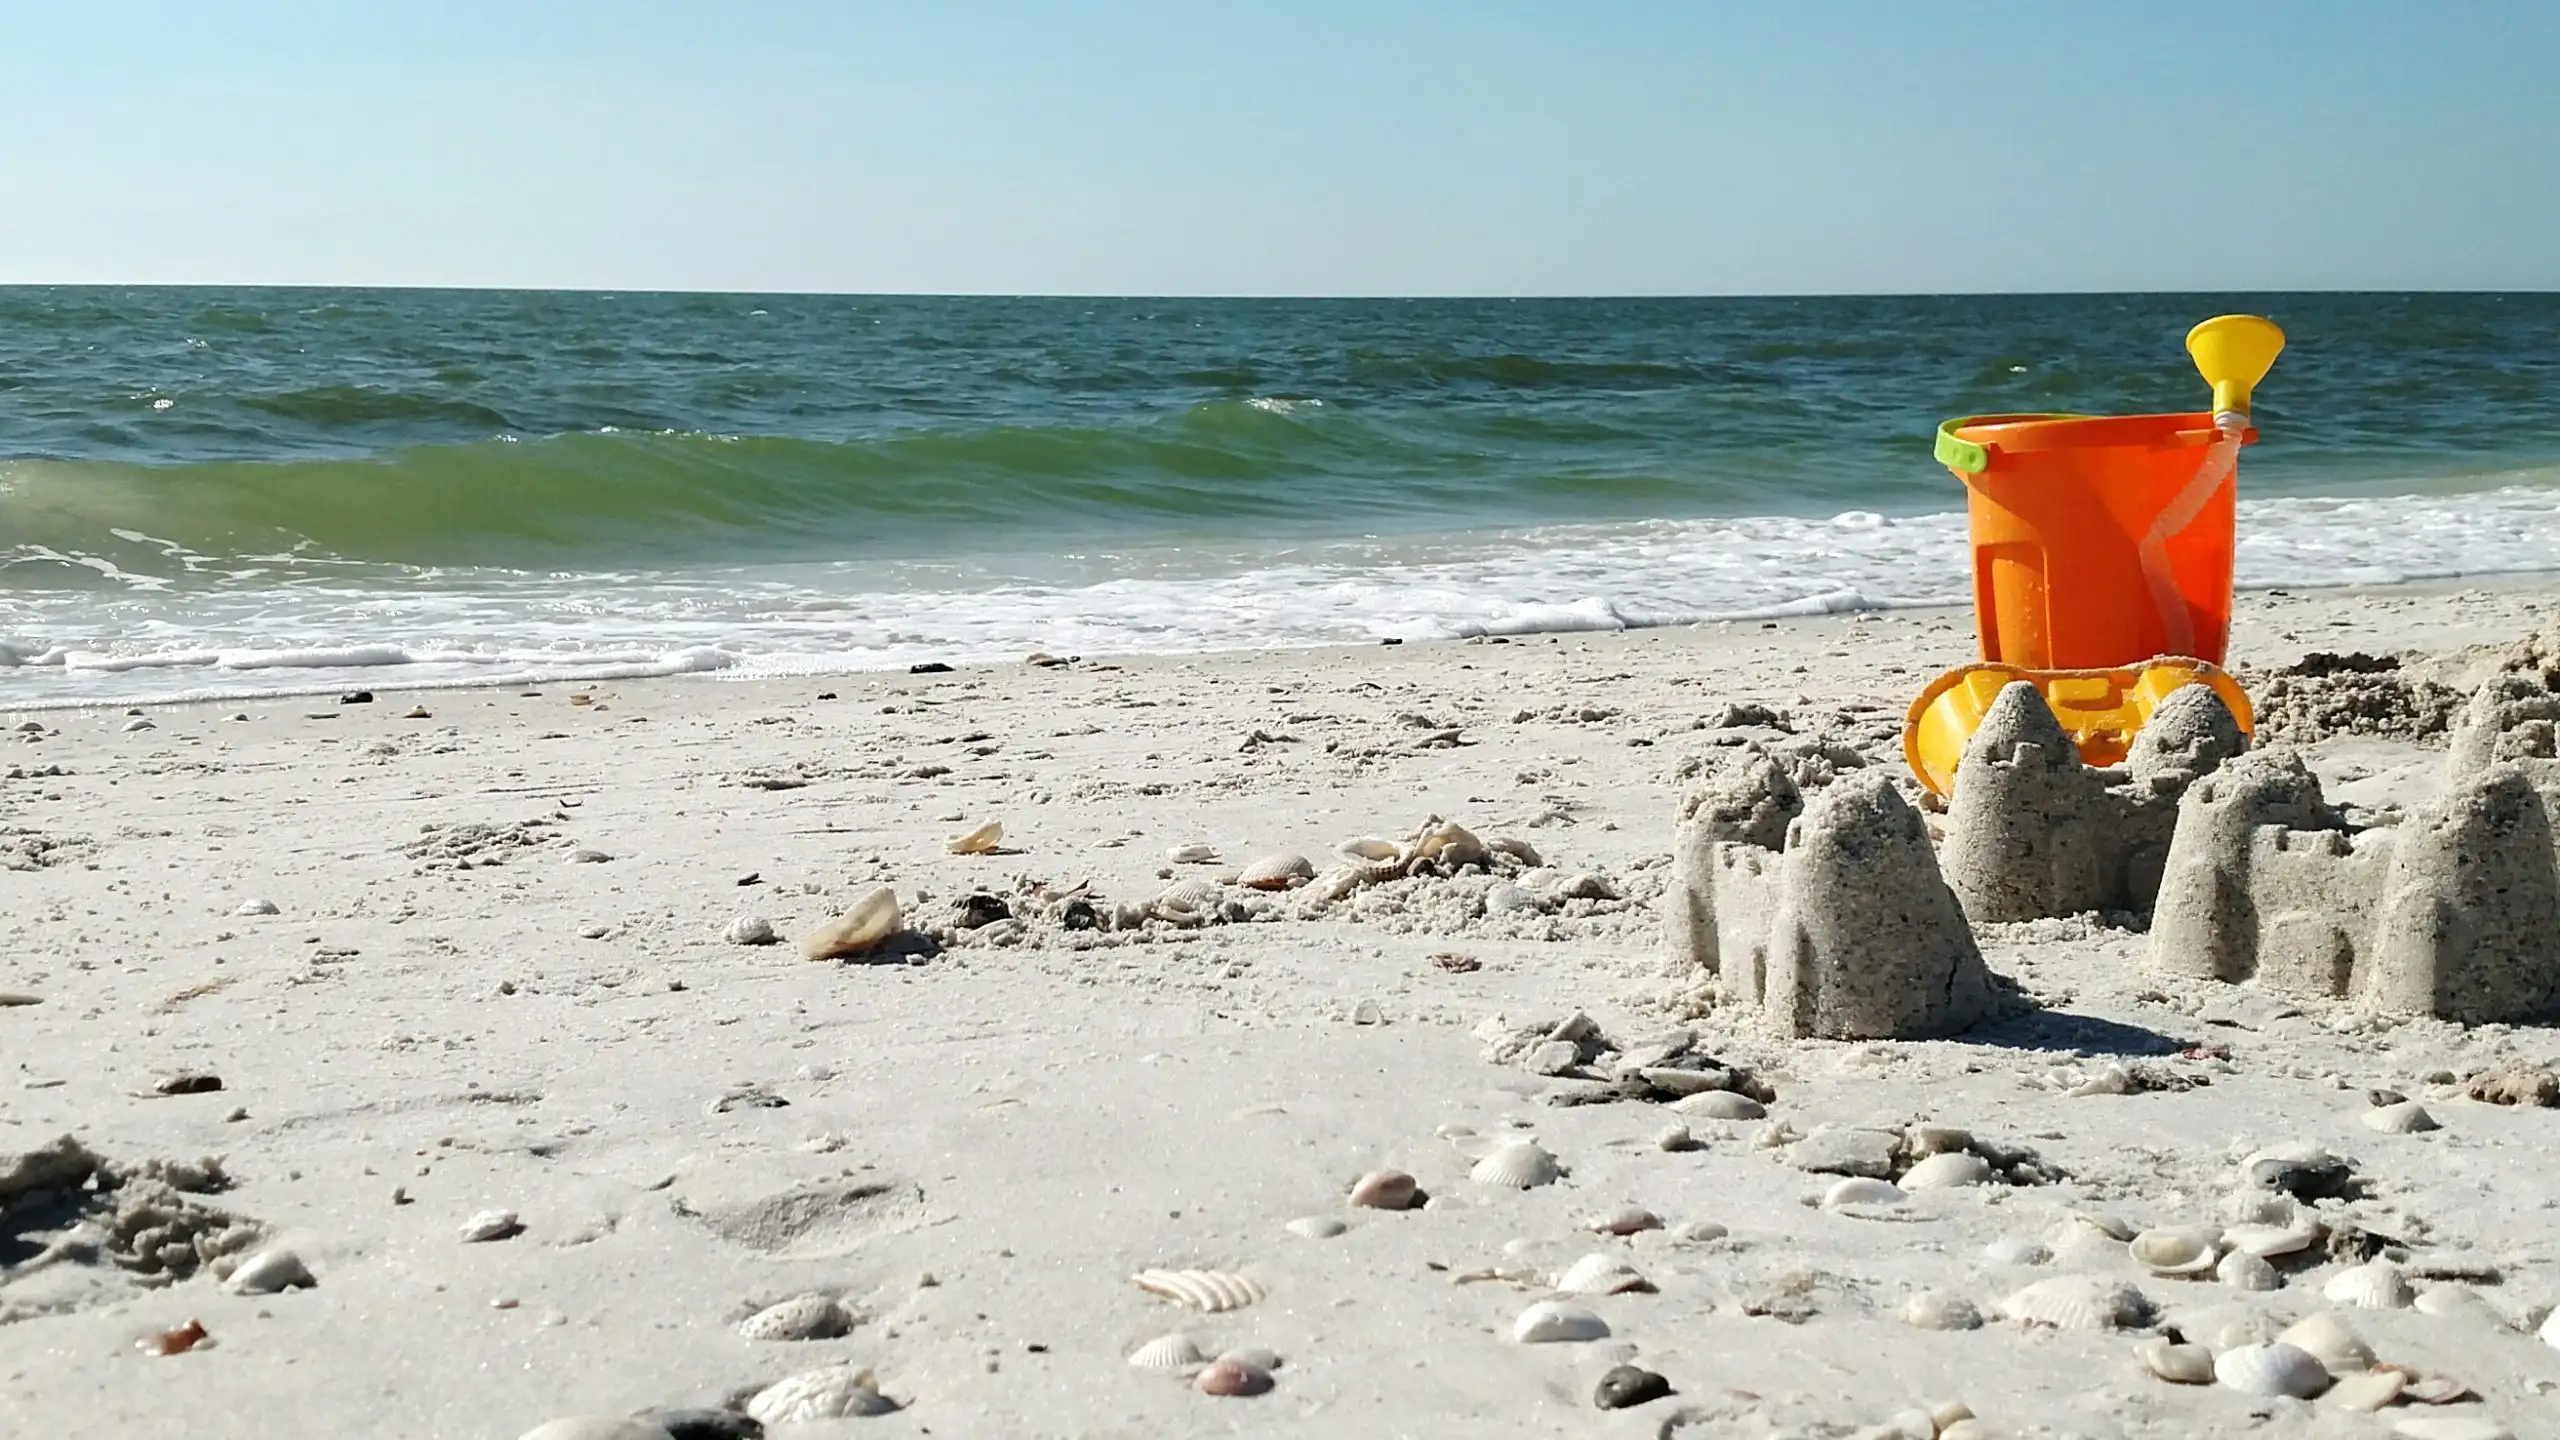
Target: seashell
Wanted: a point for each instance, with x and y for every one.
(1315, 1227)
(749, 930)
(1169, 1352)
(1720, 1105)
(2182, 1250)
(982, 841)
(490, 1225)
(2268, 1241)
(2305, 1172)
(1233, 1377)
(1625, 1220)
(615, 1427)
(1188, 902)
(256, 907)
(2274, 1368)
(1700, 1232)
(1601, 1275)
(2549, 1331)
(1552, 1322)
(1191, 854)
(2420, 1389)
(1285, 871)
(1447, 842)
(2177, 1364)
(1253, 1355)
(2245, 1330)
(1517, 849)
(2406, 1118)
(2363, 1391)
(1947, 1172)
(835, 1392)
(871, 920)
(1940, 1310)
(1372, 851)
(2100, 1223)
(1519, 1165)
(174, 1342)
(2248, 1207)
(1674, 1139)
(268, 1271)
(2374, 1285)
(1385, 1190)
(1625, 1386)
(1213, 1291)
(2077, 1302)
(802, 1317)
(2452, 1427)
(2448, 1301)
(1859, 1190)
(2243, 1271)
(2015, 1251)
(2327, 1339)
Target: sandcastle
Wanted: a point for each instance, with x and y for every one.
(1834, 915)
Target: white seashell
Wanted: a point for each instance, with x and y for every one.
(1316, 1227)
(2274, 1368)
(2268, 1241)
(490, 1225)
(2180, 1250)
(2327, 1339)
(1859, 1190)
(1449, 843)
(1519, 1165)
(594, 1427)
(1701, 1232)
(1940, 1310)
(2253, 1207)
(835, 1392)
(1188, 902)
(981, 841)
(2099, 1222)
(1550, 1322)
(749, 930)
(2243, 1271)
(2363, 1391)
(1191, 854)
(256, 907)
(2177, 1364)
(1385, 1190)
(2452, 1427)
(1367, 850)
(871, 920)
(1947, 1172)
(802, 1317)
(1719, 1105)
(1625, 1220)
(2077, 1302)
(1520, 850)
(1212, 1291)
(1169, 1352)
(2375, 1285)
(1253, 1355)
(267, 1271)
(1286, 871)
(2015, 1251)
(1601, 1275)
(2549, 1333)
(2406, 1118)
(2448, 1301)
(2426, 1389)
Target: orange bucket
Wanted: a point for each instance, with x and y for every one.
(2097, 542)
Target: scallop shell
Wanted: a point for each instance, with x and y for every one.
(2447, 1301)
(834, 1392)
(2177, 1364)
(1188, 902)
(2017, 1251)
(1720, 1105)
(1285, 871)
(2243, 1271)
(2406, 1118)
(1447, 842)
(1947, 1172)
(1315, 1227)
(1169, 1352)
(2269, 1241)
(981, 841)
(2327, 1339)
(1858, 1190)
(1940, 1310)
(802, 1317)
(871, 920)
(2420, 1389)
(2099, 1222)
(1233, 1378)
(1368, 850)
(2077, 1302)
(1253, 1355)
(2364, 1391)
(1212, 1291)
(1385, 1190)
(2180, 1250)
(1601, 1275)
(267, 1271)
(2375, 1285)
(2452, 1427)
(1552, 1321)
(1519, 1165)
(1191, 854)
(2274, 1368)
(1517, 849)
(1625, 1220)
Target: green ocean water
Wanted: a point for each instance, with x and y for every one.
(210, 489)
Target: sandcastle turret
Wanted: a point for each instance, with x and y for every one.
(2470, 916)
(1747, 801)
(1868, 942)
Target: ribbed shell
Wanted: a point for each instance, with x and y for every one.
(1552, 1321)
(802, 1317)
(1519, 1165)
(1211, 1291)
(1188, 901)
(1169, 1352)
(2376, 1285)
(1601, 1275)
(2243, 1271)
(833, 1393)
(1285, 871)
(2077, 1302)
(2274, 1368)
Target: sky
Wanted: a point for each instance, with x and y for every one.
(1392, 147)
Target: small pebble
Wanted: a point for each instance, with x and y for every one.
(490, 1225)
(1627, 1386)
(750, 930)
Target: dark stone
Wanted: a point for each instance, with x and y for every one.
(929, 667)
(1079, 914)
(356, 697)
(1626, 1386)
(702, 1424)
(981, 910)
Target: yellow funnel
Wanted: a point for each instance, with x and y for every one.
(2234, 353)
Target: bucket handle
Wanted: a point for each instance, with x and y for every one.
(1971, 457)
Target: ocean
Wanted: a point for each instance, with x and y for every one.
(208, 492)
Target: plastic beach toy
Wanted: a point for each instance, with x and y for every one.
(2101, 709)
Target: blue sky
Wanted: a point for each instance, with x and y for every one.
(1388, 147)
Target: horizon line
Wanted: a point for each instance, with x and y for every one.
(1309, 296)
